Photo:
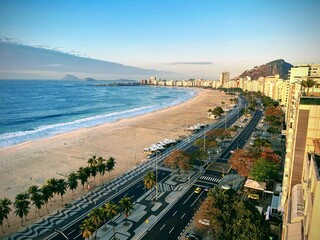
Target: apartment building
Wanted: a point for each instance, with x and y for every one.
(224, 78)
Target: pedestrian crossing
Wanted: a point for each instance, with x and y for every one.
(210, 178)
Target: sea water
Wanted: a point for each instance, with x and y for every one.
(31, 110)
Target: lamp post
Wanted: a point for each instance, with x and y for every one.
(156, 168)
(222, 170)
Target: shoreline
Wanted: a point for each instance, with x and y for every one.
(31, 163)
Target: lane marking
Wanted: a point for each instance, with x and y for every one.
(162, 227)
(138, 186)
(183, 215)
(175, 213)
(197, 198)
(77, 236)
(187, 198)
(171, 230)
(71, 232)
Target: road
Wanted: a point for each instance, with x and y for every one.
(173, 223)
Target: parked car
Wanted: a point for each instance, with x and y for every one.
(192, 236)
(204, 222)
(254, 196)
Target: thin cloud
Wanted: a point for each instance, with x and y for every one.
(189, 63)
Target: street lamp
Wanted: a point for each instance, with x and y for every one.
(156, 168)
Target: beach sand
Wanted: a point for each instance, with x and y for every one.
(33, 162)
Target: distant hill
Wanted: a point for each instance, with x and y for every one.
(71, 77)
(279, 66)
(23, 60)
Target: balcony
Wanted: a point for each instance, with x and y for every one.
(310, 100)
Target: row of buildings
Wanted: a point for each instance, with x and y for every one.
(300, 197)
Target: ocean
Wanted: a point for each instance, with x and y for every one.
(31, 110)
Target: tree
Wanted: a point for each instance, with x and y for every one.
(62, 186)
(47, 194)
(149, 180)
(217, 111)
(86, 228)
(309, 83)
(22, 206)
(110, 165)
(92, 161)
(83, 176)
(229, 217)
(111, 210)
(242, 161)
(126, 205)
(36, 197)
(93, 172)
(264, 170)
(180, 159)
(96, 217)
(101, 166)
(261, 142)
(4, 210)
(73, 182)
(52, 183)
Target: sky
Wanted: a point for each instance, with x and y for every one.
(190, 37)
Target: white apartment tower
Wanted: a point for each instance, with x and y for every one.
(224, 78)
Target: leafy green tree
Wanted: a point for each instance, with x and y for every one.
(22, 206)
(4, 210)
(229, 217)
(217, 111)
(62, 186)
(261, 142)
(149, 180)
(180, 159)
(263, 170)
(36, 197)
(111, 210)
(111, 162)
(126, 205)
(87, 228)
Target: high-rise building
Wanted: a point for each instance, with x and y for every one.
(224, 78)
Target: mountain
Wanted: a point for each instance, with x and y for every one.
(36, 62)
(279, 66)
(71, 77)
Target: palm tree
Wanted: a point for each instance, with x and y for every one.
(309, 83)
(92, 161)
(111, 210)
(86, 228)
(97, 218)
(73, 182)
(110, 165)
(83, 175)
(36, 197)
(93, 172)
(149, 180)
(52, 183)
(47, 194)
(62, 186)
(22, 206)
(101, 166)
(126, 205)
(4, 210)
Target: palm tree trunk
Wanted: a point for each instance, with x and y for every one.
(21, 222)
(2, 228)
(39, 213)
(114, 234)
(8, 222)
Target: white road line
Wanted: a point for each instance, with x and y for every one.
(171, 230)
(187, 199)
(71, 232)
(196, 199)
(77, 236)
(175, 213)
(162, 227)
(138, 186)
(183, 215)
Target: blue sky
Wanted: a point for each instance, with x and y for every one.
(165, 35)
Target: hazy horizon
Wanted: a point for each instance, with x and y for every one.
(190, 39)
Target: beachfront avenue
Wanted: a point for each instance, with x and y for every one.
(131, 185)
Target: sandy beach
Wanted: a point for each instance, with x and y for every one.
(33, 162)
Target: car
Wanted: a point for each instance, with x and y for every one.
(232, 151)
(207, 188)
(204, 222)
(198, 190)
(192, 236)
(254, 196)
(225, 187)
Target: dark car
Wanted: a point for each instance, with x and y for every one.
(192, 236)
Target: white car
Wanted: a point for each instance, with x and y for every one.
(204, 222)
